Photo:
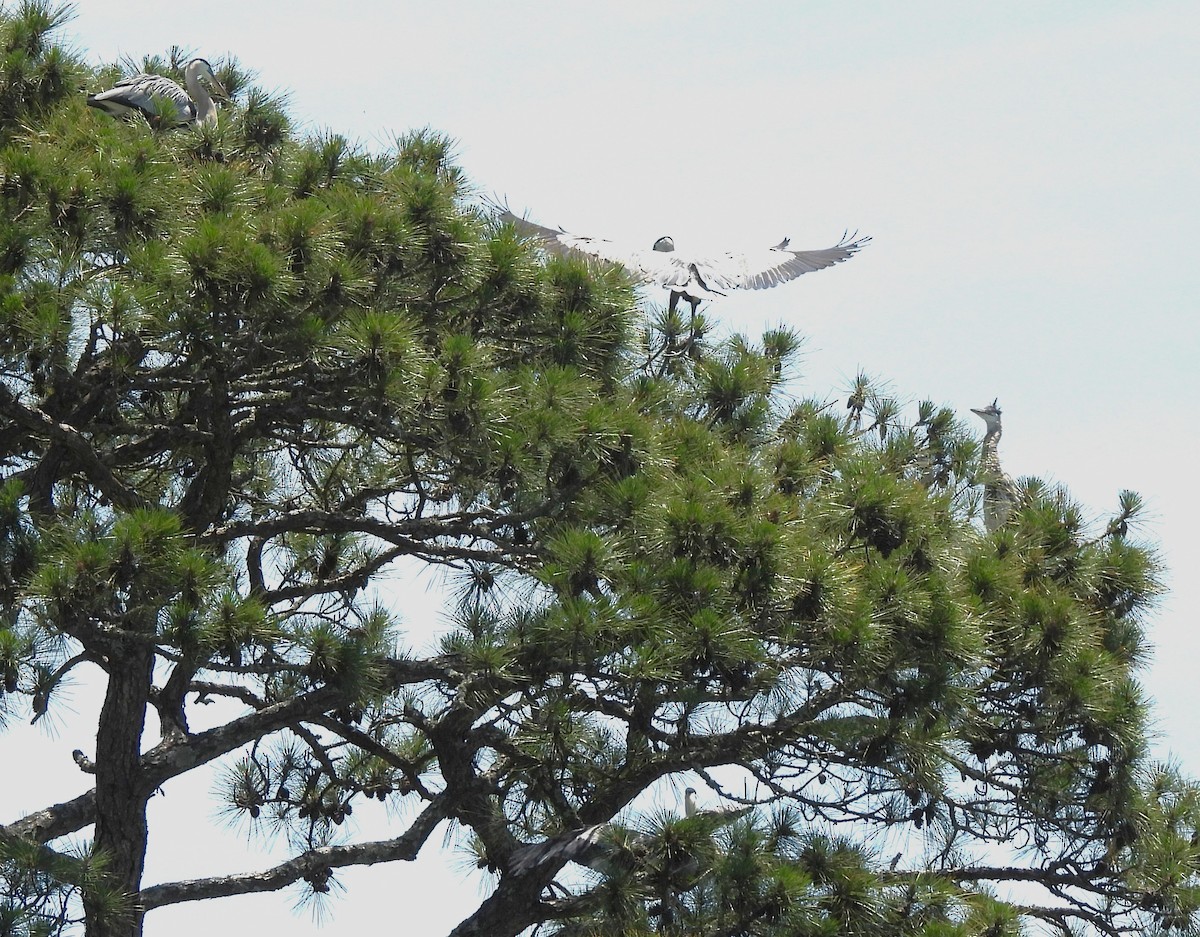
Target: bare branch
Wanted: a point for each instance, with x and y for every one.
(41, 423)
(403, 848)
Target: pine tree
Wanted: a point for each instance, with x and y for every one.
(246, 374)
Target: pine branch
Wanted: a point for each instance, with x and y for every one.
(52, 822)
(314, 864)
(40, 423)
(415, 538)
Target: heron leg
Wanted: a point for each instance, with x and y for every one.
(674, 301)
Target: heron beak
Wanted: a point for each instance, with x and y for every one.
(218, 88)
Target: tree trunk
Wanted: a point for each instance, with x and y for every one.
(507, 912)
(121, 831)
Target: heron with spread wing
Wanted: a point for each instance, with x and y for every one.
(606, 847)
(694, 277)
(160, 100)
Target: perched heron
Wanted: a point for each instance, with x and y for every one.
(605, 847)
(999, 492)
(713, 819)
(597, 847)
(694, 278)
(145, 94)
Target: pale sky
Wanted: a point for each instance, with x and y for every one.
(1028, 172)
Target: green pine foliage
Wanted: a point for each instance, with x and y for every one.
(246, 374)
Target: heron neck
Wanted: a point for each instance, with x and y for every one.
(206, 109)
(991, 449)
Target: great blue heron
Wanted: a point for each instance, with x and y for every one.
(160, 100)
(599, 847)
(999, 492)
(694, 277)
(606, 847)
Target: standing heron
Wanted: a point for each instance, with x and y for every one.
(161, 101)
(694, 277)
(999, 492)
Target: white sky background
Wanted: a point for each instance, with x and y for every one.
(1028, 172)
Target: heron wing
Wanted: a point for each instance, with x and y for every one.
(661, 268)
(143, 92)
(582, 847)
(760, 270)
(708, 275)
(722, 817)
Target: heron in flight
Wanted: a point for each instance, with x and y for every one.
(999, 492)
(161, 101)
(694, 277)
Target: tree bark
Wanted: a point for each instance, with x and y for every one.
(509, 910)
(121, 829)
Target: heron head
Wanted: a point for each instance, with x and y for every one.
(689, 801)
(664, 243)
(199, 68)
(989, 414)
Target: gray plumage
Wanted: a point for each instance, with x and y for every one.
(606, 847)
(597, 847)
(999, 491)
(160, 100)
(694, 277)
(712, 819)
